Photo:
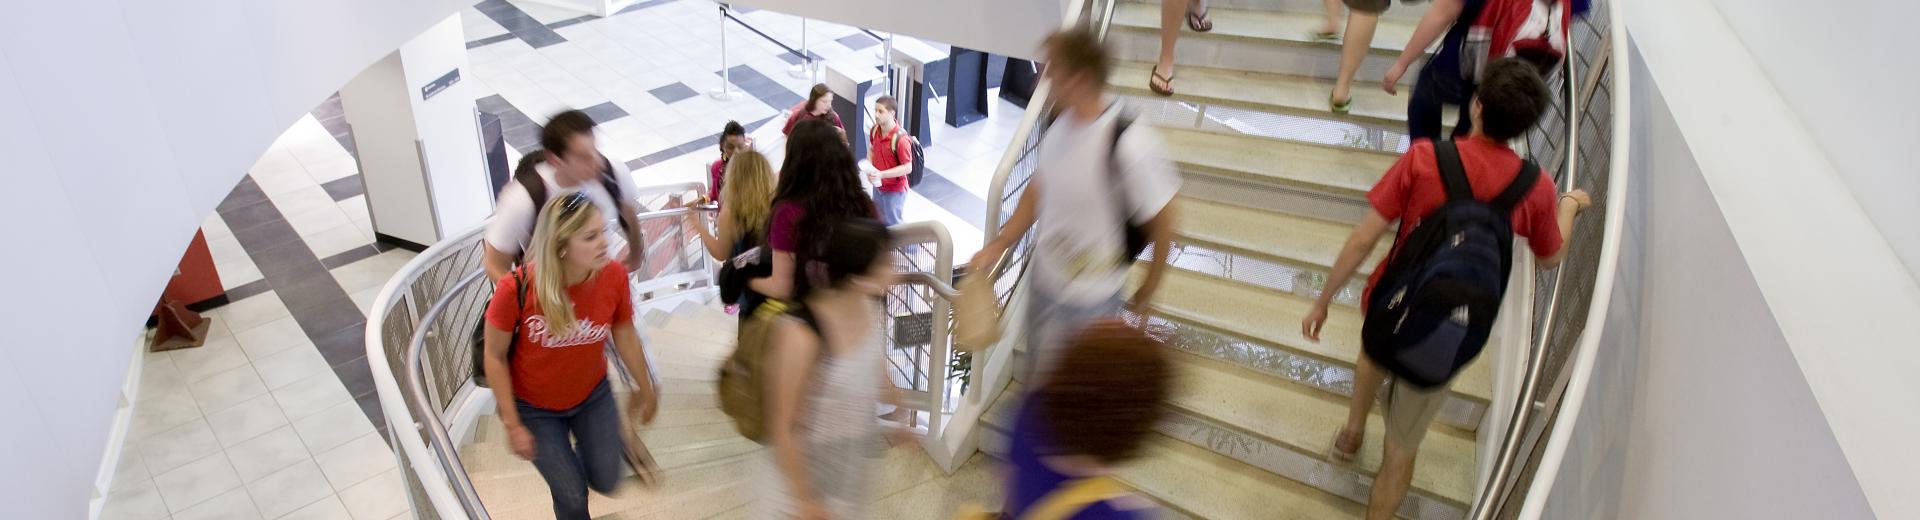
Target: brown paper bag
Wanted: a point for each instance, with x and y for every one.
(976, 314)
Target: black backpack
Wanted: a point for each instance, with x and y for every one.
(529, 178)
(1136, 235)
(919, 170)
(479, 337)
(1435, 304)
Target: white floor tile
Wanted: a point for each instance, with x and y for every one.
(271, 338)
(379, 497)
(275, 162)
(132, 469)
(332, 168)
(267, 453)
(356, 461)
(273, 183)
(215, 226)
(306, 397)
(158, 375)
(364, 299)
(212, 357)
(170, 449)
(314, 221)
(294, 364)
(231, 505)
(196, 482)
(336, 425)
(134, 501)
(371, 272)
(301, 200)
(253, 311)
(246, 420)
(478, 26)
(226, 249)
(237, 273)
(337, 240)
(290, 489)
(355, 207)
(328, 508)
(226, 389)
(162, 411)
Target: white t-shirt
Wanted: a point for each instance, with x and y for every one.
(1077, 256)
(514, 214)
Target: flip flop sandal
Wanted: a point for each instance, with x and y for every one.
(1154, 83)
(1325, 36)
(1340, 107)
(1197, 19)
(1343, 457)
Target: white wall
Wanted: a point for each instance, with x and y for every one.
(124, 123)
(1006, 27)
(1846, 67)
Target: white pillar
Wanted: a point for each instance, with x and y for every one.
(413, 119)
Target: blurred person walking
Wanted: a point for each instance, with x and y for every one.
(819, 184)
(1101, 193)
(1095, 411)
(547, 326)
(826, 375)
(567, 163)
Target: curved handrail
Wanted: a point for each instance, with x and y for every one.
(438, 439)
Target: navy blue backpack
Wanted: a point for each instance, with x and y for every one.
(1434, 307)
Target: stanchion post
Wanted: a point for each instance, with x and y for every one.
(724, 92)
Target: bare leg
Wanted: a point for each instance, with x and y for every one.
(1366, 388)
(1353, 49)
(1172, 14)
(1333, 17)
(1390, 485)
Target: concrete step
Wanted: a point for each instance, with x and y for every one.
(1270, 92)
(1301, 241)
(1203, 484)
(1336, 170)
(1304, 421)
(1273, 318)
(1258, 40)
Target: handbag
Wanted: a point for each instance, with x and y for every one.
(735, 272)
(976, 314)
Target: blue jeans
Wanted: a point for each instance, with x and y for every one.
(890, 204)
(577, 448)
(1434, 89)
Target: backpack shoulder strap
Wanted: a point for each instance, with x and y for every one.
(520, 305)
(1518, 189)
(1073, 498)
(528, 175)
(609, 179)
(1452, 174)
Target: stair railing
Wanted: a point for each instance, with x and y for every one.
(422, 327)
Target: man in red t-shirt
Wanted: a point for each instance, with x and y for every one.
(890, 152)
(1510, 101)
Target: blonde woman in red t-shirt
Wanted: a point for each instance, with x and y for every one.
(550, 382)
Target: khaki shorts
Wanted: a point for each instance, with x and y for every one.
(1410, 409)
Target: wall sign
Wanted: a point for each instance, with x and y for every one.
(447, 80)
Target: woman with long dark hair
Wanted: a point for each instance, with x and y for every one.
(819, 185)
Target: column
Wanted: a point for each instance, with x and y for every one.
(415, 126)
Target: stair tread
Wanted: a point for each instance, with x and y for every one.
(1273, 317)
(1298, 240)
(1341, 170)
(1280, 27)
(1306, 420)
(1210, 485)
(1277, 93)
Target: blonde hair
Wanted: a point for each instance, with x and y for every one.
(556, 226)
(748, 192)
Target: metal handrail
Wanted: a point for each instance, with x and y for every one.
(439, 441)
(1501, 481)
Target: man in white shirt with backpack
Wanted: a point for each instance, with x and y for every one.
(1102, 190)
(568, 162)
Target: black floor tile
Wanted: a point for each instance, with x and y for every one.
(342, 345)
(572, 21)
(605, 112)
(523, 138)
(490, 40)
(345, 188)
(253, 288)
(244, 193)
(519, 23)
(539, 40)
(330, 315)
(285, 263)
(857, 41)
(370, 404)
(356, 376)
(495, 104)
(671, 93)
(351, 255)
(256, 235)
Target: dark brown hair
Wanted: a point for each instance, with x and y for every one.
(887, 101)
(560, 130)
(1512, 98)
(1078, 51)
(813, 96)
(1106, 392)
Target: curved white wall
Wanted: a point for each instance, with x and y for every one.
(123, 123)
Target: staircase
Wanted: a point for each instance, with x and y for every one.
(1267, 203)
(707, 468)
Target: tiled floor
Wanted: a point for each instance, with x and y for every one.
(275, 417)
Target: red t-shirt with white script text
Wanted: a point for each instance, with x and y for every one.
(557, 373)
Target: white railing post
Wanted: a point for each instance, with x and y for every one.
(725, 91)
(806, 68)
